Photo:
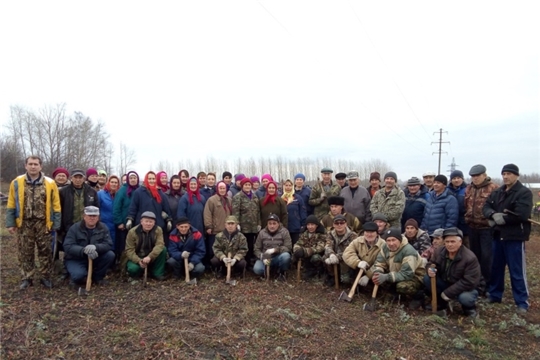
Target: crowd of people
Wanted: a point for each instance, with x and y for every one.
(464, 235)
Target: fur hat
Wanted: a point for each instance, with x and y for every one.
(336, 200)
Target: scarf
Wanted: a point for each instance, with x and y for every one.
(108, 186)
(288, 196)
(158, 181)
(153, 189)
(195, 193)
(131, 188)
(270, 198)
(224, 199)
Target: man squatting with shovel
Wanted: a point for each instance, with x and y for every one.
(85, 240)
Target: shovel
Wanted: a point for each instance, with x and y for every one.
(336, 276)
(145, 277)
(88, 278)
(433, 292)
(298, 270)
(267, 272)
(228, 281)
(372, 304)
(349, 297)
(186, 268)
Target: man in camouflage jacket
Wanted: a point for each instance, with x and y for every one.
(321, 192)
(337, 241)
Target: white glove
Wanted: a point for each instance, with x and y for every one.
(169, 226)
(444, 297)
(327, 261)
(238, 227)
(164, 215)
(226, 260)
(267, 261)
(258, 228)
(498, 218)
(270, 251)
(233, 261)
(89, 249)
(363, 280)
(334, 259)
(363, 265)
(424, 262)
(191, 266)
(185, 254)
(129, 224)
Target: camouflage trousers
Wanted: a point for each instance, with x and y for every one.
(409, 287)
(31, 235)
(346, 274)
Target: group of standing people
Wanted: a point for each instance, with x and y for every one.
(389, 233)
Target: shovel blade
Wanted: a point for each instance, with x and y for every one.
(83, 292)
(192, 282)
(370, 306)
(231, 282)
(345, 297)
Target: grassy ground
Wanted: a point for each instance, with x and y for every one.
(254, 320)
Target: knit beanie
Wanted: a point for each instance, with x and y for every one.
(442, 179)
(512, 168)
(60, 170)
(312, 219)
(391, 174)
(267, 177)
(411, 222)
(226, 174)
(456, 173)
(254, 179)
(392, 232)
(90, 172)
(374, 176)
(245, 180)
(239, 177)
(300, 175)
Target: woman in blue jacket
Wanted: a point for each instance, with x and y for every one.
(122, 202)
(106, 205)
(296, 210)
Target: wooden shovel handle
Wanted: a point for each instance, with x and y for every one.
(355, 284)
(229, 268)
(89, 276)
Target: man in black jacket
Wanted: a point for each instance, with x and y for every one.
(457, 271)
(88, 238)
(508, 209)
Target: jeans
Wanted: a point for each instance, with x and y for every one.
(78, 268)
(179, 269)
(467, 299)
(282, 262)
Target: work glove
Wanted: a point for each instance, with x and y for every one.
(164, 215)
(239, 228)
(498, 218)
(444, 297)
(424, 262)
(232, 262)
(129, 224)
(185, 254)
(258, 228)
(267, 262)
(93, 254)
(89, 248)
(270, 251)
(491, 223)
(363, 280)
(363, 265)
(334, 259)
(299, 254)
(169, 226)
(226, 260)
(380, 278)
(191, 266)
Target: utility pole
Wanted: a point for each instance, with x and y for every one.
(440, 132)
(452, 166)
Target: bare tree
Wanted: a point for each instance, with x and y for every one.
(126, 158)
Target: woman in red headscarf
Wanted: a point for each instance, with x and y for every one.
(272, 203)
(162, 181)
(148, 197)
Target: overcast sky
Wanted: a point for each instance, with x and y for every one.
(354, 80)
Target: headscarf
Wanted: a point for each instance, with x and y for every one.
(288, 196)
(224, 198)
(158, 181)
(132, 188)
(108, 185)
(196, 192)
(171, 190)
(270, 198)
(153, 189)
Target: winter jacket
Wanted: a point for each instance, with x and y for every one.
(359, 204)
(142, 200)
(358, 250)
(304, 193)
(106, 205)
(475, 198)
(371, 190)
(215, 214)
(391, 205)
(192, 242)
(404, 264)
(67, 202)
(421, 242)
(441, 211)
(320, 204)
(414, 206)
(207, 192)
(247, 212)
(235, 244)
(280, 240)
(279, 208)
(296, 214)
(517, 199)
(311, 243)
(194, 212)
(463, 273)
(336, 244)
(140, 243)
(173, 200)
(78, 237)
(233, 190)
(459, 193)
(15, 204)
(261, 192)
(122, 203)
(352, 222)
